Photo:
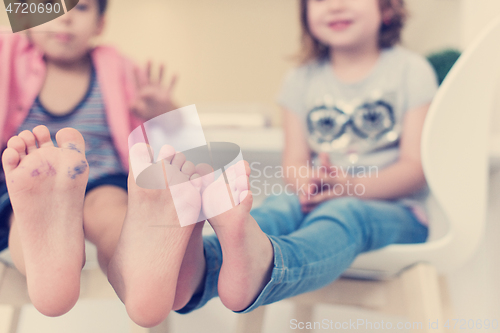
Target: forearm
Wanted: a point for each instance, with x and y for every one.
(396, 181)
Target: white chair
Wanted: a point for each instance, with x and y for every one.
(94, 285)
(404, 279)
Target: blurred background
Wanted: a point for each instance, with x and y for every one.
(237, 51)
(231, 57)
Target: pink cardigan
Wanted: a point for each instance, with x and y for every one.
(22, 74)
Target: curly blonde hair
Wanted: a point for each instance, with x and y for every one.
(394, 17)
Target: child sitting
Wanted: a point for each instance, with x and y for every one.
(357, 101)
(49, 198)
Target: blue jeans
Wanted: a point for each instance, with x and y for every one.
(312, 250)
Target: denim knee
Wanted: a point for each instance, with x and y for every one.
(345, 202)
(374, 223)
(284, 203)
(348, 212)
(283, 200)
(341, 207)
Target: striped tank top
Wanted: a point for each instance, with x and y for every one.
(89, 118)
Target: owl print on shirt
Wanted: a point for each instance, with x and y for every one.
(352, 126)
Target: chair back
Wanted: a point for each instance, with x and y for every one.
(455, 143)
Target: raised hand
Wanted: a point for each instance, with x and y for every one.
(153, 97)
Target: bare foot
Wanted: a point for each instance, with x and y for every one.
(47, 188)
(247, 252)
(147, 260)
(193, 265)
(192, 269)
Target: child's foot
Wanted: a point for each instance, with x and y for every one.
(47, 188)
(192, 269)
(193, 265)
(146, 263)
(247, 252)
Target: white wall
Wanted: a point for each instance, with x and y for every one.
(235, 51)
(231, 51)
(433, 25)
(476, 15)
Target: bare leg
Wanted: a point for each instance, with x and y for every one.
(193, 266)
(247, 251)
(192, 269)
(145, 266)
(47, 186)
(103, 215)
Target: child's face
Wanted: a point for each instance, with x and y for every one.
(68, 38)
(345, 24)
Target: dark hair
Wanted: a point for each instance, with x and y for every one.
(390, 31)
(103, 4)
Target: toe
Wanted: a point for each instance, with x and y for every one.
(243, 195)
(196, 181)
(188, 168)
(240, 185)
(42, 136)
(246, 199)
(141, 152)
(248, 170)
(140, 158)
(207, 174)
(29, 140)
(10, 159)
(17, 144)
(236, 170)
(179, 160)
(166, 153)
(204, 169)
(70, 138)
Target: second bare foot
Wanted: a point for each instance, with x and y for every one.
(146, 263)
(47, 187)
(248, 254)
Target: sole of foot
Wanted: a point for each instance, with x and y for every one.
(192, 272)
(192, 269)
(145, 267)
(46, 186)
(247, 251)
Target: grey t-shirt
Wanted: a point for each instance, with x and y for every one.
(359, 124)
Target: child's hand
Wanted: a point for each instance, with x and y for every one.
(308, 204)
(322, 187)
(153, 98)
